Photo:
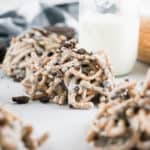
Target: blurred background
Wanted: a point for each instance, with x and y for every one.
(16, 16)
(19, 15)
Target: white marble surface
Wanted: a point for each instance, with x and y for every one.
(67, 127)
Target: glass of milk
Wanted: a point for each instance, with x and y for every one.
(113, 26)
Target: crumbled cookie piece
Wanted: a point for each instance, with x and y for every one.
(70, 75)
(21, 99)
(15, 136)
(36, 41)
(124, 125)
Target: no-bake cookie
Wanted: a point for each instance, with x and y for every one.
(124, 124)
(36, 41)
(14, 135)
(70, 76)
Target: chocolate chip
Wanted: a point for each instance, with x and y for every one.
(127, 123)
(127, 80)
(69, 44)
(44, 99)
(144, 136)
(126, 97)
(3, 120)
(39, 53)
(85, 68)
(81, 51)
(50, 54)
(70, 106)
(134, 148)
(59, 74)
(62, 85)
(136, 109)
(96, 99)
(21, 99)
(39, 78)
(96, 137)
(76, 89)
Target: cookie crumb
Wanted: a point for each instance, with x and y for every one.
(21, 99)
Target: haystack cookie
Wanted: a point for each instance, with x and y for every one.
(14, 135)
(70, 75)
(36, 41)
(124, 125)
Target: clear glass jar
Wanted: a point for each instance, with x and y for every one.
(113, 26)
(144, 44)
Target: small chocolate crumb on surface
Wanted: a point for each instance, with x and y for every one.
(3, 120)
(21, 99)
(81, 51)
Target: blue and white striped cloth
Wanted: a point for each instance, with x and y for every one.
(35, 13)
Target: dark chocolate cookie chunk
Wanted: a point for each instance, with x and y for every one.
(20, 99)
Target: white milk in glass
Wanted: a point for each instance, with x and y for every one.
(117, 34)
